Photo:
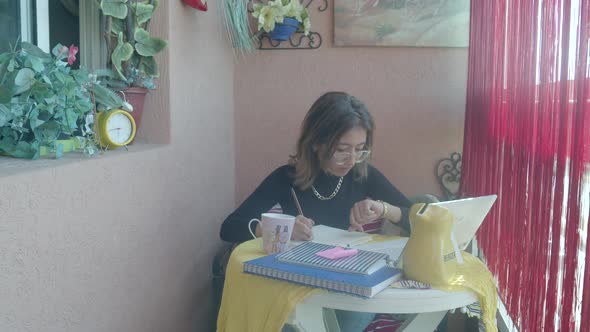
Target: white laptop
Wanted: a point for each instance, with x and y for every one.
(469, 213)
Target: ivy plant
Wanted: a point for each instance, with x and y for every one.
(131, 48)
(43, 100)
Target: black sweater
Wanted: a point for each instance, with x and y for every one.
(276, 188)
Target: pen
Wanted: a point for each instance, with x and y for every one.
(299, 208)
(296, 201)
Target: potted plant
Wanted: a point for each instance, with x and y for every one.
(281, 18)
(45, 106)
(131, 49)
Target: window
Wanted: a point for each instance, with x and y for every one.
(48, 22)
(15, 21)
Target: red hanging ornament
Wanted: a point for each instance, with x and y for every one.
(197, 4)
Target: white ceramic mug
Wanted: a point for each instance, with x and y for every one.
(276, 231)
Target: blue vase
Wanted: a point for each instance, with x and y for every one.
(283, 31)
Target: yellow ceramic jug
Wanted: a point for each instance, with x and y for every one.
(431, 254)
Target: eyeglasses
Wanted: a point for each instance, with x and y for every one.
(341, 157)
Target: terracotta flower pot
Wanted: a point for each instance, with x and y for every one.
(136, 97)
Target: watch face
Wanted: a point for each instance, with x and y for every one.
(119, 128)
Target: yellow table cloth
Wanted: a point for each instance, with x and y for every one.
(256, 304)
(474, 275)
(252, 303)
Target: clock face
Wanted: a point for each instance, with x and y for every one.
(119, 128)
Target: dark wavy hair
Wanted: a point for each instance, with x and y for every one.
(330, 117)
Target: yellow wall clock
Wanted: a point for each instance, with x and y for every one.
(116, 128)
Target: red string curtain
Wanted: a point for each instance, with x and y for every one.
(527, 139)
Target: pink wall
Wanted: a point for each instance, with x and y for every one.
(417, 96)
(124, 241)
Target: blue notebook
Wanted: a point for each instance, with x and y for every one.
(355, 284)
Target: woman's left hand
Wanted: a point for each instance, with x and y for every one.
(364, 212)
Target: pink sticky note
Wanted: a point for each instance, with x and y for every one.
(337, 252)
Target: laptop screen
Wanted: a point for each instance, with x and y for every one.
(469, 213)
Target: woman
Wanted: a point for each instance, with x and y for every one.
(333, 181)
(331, 176)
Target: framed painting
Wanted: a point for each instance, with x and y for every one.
(417, 23)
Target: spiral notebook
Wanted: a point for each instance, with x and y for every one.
(355, 284)
(364, 262)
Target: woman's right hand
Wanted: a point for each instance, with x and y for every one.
(302, 229)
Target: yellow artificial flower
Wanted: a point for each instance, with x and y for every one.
(269, 15)
(281, 10)
(294, 10)
(257, 8)
(306, 26)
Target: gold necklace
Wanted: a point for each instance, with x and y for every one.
(323, 198)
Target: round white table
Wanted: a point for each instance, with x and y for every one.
(428, 305)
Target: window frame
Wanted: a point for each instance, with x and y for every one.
(35, 25)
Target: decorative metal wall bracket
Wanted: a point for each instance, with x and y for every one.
(297, 41)
(448, 174)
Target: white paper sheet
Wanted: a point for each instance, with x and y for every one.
(337, 237)
(393, 248)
